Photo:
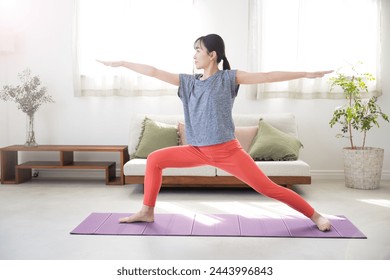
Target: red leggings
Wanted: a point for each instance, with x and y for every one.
(228, 156)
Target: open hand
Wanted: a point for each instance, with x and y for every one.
(110, 63)
(318, 74)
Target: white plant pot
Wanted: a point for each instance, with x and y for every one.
(363, 167)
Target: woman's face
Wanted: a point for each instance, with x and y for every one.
(201, 57)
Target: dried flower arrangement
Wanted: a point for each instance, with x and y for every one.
(28, 96)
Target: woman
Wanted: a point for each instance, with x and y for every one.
(207, 101)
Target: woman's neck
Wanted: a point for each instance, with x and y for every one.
(209, 71)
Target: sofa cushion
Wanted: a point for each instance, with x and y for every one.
(279, 168)
(135, 127)
(137, 167)
(245, 135)
(283, 121)
(272, 144)
(155, 135)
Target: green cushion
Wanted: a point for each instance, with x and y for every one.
(155, 135)
(271, 144)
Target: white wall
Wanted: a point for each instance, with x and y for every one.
(44, 44)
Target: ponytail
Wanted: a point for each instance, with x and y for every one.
(226, 64)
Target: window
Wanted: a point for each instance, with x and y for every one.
(312, 35)
(149, 31)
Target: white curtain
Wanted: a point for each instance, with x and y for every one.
(295, 35)
(155, 32)
(311, 35)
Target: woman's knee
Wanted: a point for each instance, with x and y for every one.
(154, 158)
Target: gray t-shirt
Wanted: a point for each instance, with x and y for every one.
(208, 107)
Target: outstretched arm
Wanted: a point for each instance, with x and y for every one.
(277, 76)
(145, 70)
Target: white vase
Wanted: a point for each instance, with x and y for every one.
(363, 167)
(30, 134)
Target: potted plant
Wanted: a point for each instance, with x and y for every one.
(362, 164)
(28, 96)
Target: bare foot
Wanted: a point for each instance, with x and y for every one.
(146, 214)
(323, 224)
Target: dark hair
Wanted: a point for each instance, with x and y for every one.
(214, 42)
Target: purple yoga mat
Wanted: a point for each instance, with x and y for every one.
(217, 225)
(170, 225)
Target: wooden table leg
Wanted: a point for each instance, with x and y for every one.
(9, 160)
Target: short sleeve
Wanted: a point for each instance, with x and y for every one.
(186, 85)
(233, 85)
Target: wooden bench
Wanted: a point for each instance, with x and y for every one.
(14, 172)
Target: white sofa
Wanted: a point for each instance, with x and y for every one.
(285, 173)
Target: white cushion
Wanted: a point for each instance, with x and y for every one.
(285, 122)
(279, 168)
(137, 167)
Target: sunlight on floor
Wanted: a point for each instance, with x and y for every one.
(175, 208)
(253, 209)
(378, 202)
(247, 209)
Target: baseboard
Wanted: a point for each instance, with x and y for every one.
(339, 174)
(327, 174)
(385, 175)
